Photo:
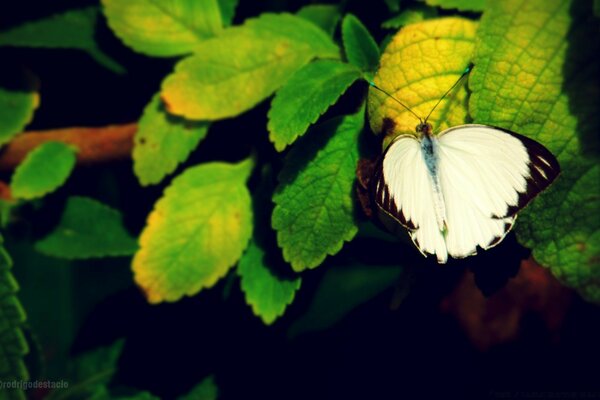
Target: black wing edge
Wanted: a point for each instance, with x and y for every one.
(543, 168)
(380, 194)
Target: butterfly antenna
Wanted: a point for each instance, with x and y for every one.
(465, 73)
(398, 101)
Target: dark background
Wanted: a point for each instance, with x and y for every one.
(416, 351)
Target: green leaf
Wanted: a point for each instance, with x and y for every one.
(244, 65)
(13, 346)
(73, 29)
(325, 16)
(421, 62)
(305, 97)
(267, 293)
(413, 15)
(163, 28)
(314, 202)
(227, 8)
(461, 5)
(205, 390)
(162, 141)
(393, 5)
(361, 49)
(343, 288)
(102, 393)
(18, 101)
(88, 229)
(44, 169)
(90, 372)
(197, 231)
(536, 70)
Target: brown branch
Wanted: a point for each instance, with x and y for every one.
(95, 145)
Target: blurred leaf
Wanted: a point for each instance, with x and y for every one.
(90, 372)
(73, 29)
(393, 5)
(461, 5)
(314, 202)
(267, 293)
(162, 141)
(361, 49)
(88, 229)
(197, 231)
(227, 8)
(542, 57)
(235, 71)
(102, 393)
(44, 169)
(13, 346)
(205, 390)
(164, 28)
(413, 15)
(305, 97)
(325, 16)
(343, 288)
(418, 66)
(18, 101)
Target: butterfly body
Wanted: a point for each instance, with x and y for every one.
(461, 189)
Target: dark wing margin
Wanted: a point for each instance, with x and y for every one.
(543, 170)
(380, 193)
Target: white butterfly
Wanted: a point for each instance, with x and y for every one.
(462, 188)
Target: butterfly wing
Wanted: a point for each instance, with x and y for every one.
(402, 190)
(487, 175)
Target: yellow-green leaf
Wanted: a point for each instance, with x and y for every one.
(88, 229)
(537, 73)
(162, 141)
(266, 292)
(43, 170)
(305, 97)
(163, 28)
(422, 61)
(197, 231)
(412, 15)
(244, 65)
(18, 101)
(462, 5)
(314, 202)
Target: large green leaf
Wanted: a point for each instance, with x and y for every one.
(305, 97)
(314, 202)
(43, 170)
(244, 65)
(462, 5)
(162, 141)
(197, 231)
(73, 29)
(13, 345)
(88, 229)
(325, 16)
(536, 72)
(421, 62)
(266, 292)
(163, 28)
(343, 288)
(361, 49)
(18, 101)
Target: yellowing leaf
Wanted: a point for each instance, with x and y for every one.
(163, 28)
(244, 65)
(314, 202)
(422, 61)
(196, 232)
(537, 73)
(43, 170)
(162, 141)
